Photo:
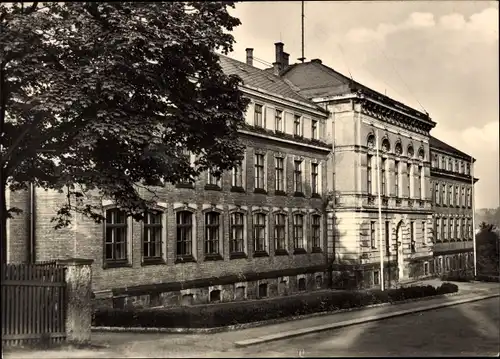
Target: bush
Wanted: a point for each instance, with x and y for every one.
(207, 316)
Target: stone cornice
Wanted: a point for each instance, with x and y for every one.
(445, 174)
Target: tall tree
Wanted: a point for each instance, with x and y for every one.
(104, 98)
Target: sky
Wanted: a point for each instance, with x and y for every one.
(438, 56)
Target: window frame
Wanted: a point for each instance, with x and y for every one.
(299, 233)
(256, 116)
(369, 174)
(258, 176)
(298, 184)
(316, 232)
(297, 125)
(373, 239)
(264, 227)
(279, 172)
(184, 256)
(233, 242)
(146, 228)
(314, 129)
(280, 242)
(126, 243)
(315, 178)
(278, 121)
(213, 234)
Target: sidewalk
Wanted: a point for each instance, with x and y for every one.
(128, 345)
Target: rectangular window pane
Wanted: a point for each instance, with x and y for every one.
(258, 116)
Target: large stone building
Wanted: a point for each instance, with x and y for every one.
(452, 181)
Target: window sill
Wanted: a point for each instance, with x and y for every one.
(279, 193)
(280, 252)
(316, 195)
(212, 187)
(116, 264)
(185, 259)
(317, 250)
(237, 189)
(238, 255)
(260, 254)
(260, 191)
(184, 185)
(213, 257)
(298, 194)
(299, 251)
(152, 261)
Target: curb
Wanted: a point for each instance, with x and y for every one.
(229, 328)
(320, 328)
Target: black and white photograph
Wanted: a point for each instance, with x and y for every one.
(235, 179)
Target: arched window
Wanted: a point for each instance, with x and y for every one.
(386, 145)
(115, 251)
(370, 141)
(410, 151)
(421, 154)
(398, 149)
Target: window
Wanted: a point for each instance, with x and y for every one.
(388, 237)
(436, 193)
(424, 233)
(443, 163)
(434, 160)
(278, 121)
(316, 231)
(373, 241)
(461, 170)
(184, 220)
(453, 232)
(396, 178)
(237, 178)
(212, 179)
(369, 173)
(463, 197)
(471, 235)
(262, 290)
(319, 282)
(438, 229)
(187, 157)
(408, 175)
(463, 228)
(215, 295)
(412, 236)
(151, 241)
(457, 231)
(445, 230)
(467, 169)
(298, 231)
(450, 195)
(376, 277)
(297, 126)
(236, 240)
(297, 174)
(259, 227)
(280, 232)
(383, 184)
(314, 129)
(419, 188)
(314, 178)
(443, 190)
(449, 164)
(457, 198)
(426, 268)
(258, 119)
(469, 198)
(301, 284)
(259, 171)
(116, 236)
(279, 168)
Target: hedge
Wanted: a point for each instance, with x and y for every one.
(224, 314)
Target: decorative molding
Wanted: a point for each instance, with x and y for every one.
(185, 206)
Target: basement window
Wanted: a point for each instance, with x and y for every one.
(215, 296)
(262, 290)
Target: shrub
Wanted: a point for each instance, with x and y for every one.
(459, 276)
(245, 312)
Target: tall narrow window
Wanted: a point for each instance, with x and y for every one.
(116, 236)
(297, 125)
(314, 129)
(184, 221)
(259, 171)
(316, 231)
(383, 174)
(457, 198)
(280, 232)
(424, 233)
(278, 121)
(212, 233)
(453, 234)
(408, 179)
(298, 231)
(314, 178)
(470, 230)
(445, 229)
(449, 164)
(469, 198)
(419, 189)
(458, 229)
(396, 178)
(279, 169)
(259, 227)
(438, 229)
(369, 173)
(151, 241)
(387, 237)
(463, 229)
(373, 240)
(297, 174)
(467, 169)
(443, 191)
(463, 203)
(412, 236)
(438, 193)
(237, 178)
(258, 120)
(212, 179)
(236, 240)
(450, 195)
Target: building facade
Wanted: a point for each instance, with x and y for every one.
(452, 183)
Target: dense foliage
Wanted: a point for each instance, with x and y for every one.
(104, 98)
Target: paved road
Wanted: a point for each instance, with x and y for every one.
(470, 329)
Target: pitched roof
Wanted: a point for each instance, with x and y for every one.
(440, 145)
(261, 79)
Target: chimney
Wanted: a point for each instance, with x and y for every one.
(286, 59)
(249, 56)
(278, 65)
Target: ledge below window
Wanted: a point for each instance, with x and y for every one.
(212, 187)
(213, 257)
(280, 252)
(260, 191)
(279, 193)
(185, 259)
(316, 195)
(237, 189)
(152, 261)
(298, 194)
(116, 264)
(260, 254)
(237, 255)
(317, 250)
(184, 185)
(299, 251)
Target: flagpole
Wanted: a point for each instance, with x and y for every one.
(379, 217)
(473, 216)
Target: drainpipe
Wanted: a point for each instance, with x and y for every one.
(32, 237)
